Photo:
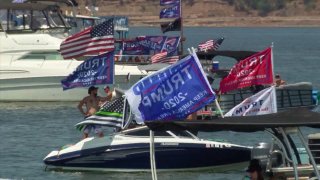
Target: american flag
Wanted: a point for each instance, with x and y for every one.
(169, 60)
(162, 58)
(210, 44)
(155, 58)
(94, 40)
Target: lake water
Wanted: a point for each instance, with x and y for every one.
(29, 131)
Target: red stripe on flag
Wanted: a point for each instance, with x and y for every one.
(98, 39)
(169, 60)
(155, 58)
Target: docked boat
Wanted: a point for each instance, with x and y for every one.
(128, 151)
(31, 65)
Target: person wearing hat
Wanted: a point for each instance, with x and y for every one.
(91, 103)
(254, 170)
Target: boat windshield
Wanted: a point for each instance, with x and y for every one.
(81, 22)
(33, 19)
(146, 132)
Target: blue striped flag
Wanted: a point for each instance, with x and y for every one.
(110, 114)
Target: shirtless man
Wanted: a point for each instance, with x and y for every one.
(279, 81)
(91, 102)
(92, 106)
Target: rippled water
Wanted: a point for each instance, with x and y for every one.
(29, 131)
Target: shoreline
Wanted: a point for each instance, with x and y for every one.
(270, 21)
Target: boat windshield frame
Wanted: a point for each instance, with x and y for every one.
(23, 18)
(144, 132)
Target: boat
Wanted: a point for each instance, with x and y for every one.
(31, 65)
(127, 148)
(128, 151)
(280, 159)
(299, 94)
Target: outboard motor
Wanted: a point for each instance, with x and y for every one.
(262, 153)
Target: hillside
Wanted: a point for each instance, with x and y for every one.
(217, 13)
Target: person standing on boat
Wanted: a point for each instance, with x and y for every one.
(278, 81)
(91, 102)
(92, 106)
(108, 97)
(108, 93)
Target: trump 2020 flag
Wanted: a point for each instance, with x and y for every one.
(155, 43)
(134, 48)
(253, 70)
(96, 70)
(171, 12)
(264, 102)
(171, 93)
(171, 45)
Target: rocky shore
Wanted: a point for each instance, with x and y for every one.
(275, 21)
(212, 13)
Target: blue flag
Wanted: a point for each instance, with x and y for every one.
(134, 48)
(171, 93)
(171, 45)
(168, 2)
(171, 12)
(155, 43)
(96, 70)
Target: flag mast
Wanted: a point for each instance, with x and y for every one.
(181, 30)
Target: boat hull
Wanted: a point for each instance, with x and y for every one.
(50, 89)
(136, 157)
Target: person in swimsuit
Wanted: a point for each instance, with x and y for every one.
(91, 103)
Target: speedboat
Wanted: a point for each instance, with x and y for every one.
(31, 66)
(280, 159)
(128, 151)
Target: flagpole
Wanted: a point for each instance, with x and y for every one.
(181, 30)
(152, 157)
(272, 62)
(219, 108)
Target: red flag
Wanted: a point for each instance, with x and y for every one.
(93, 40)
(254, 70)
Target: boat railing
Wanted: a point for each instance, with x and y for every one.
(287, 97)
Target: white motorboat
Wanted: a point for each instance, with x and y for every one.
(129, 151)
(31, 67)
